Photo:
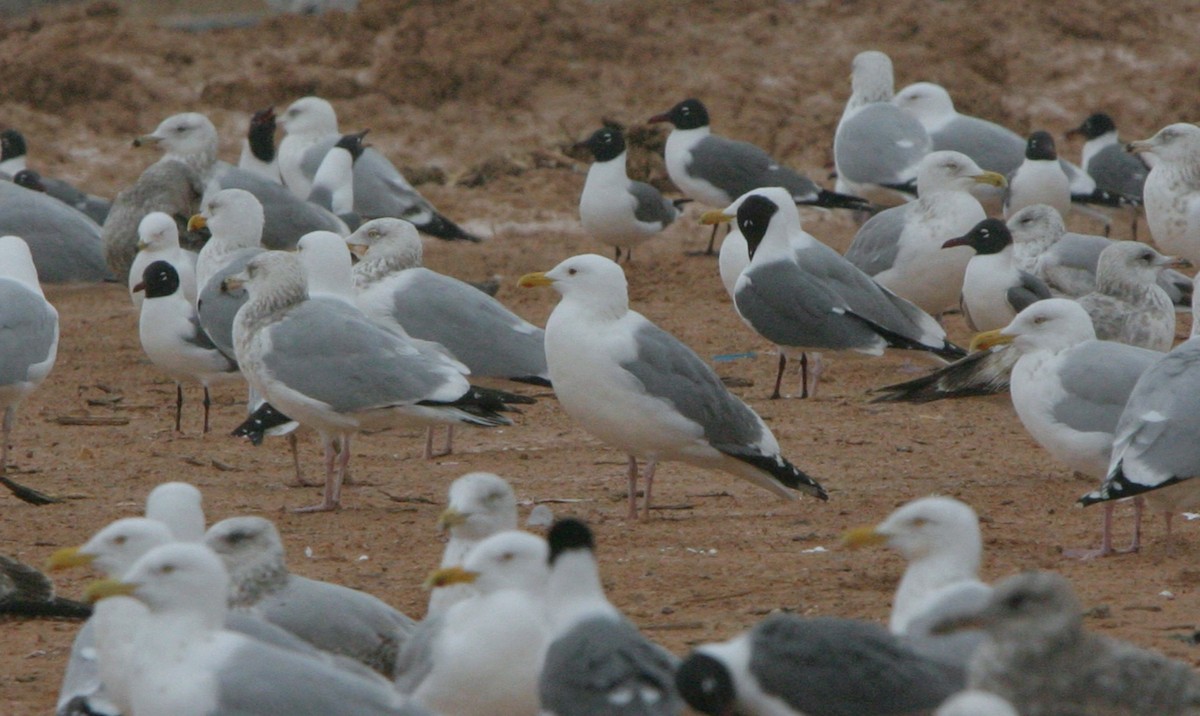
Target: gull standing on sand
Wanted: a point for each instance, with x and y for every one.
(877, 147)
(901, 247)
(639, 389)
(1041, 659)
(234, 217)
(311, 128)
(615, 209)
(326, 365)
(481, 504)
(802, 295)
(28, 334)
(1069, 389)
(715, 170)
(1172, 190)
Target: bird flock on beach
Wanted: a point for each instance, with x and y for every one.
(298, 272)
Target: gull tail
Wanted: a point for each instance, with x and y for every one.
(909, 187)
(261, 422)
(778, 468)
(1118, 486)
(28, 494)
(482, 406)
(946, 350)
(1102, 197)
(981, 373)
(834, 200)
(532, 380)
(443, 228)
(32, 595)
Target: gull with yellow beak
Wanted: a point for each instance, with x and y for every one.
(481, 504)
(1069, 389)
(901, 247)
(801, 295)
(639, 389)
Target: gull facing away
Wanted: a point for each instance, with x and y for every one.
(1172, 190)
(259, 155)
(639, 389)
(324, 364)
(715, 170)
(802, 295)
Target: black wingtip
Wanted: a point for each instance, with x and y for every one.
(1119, 487)
(569, 534)
(442, 228)
(781, 469)
(262, 420)
(706, 684)
(28, 494)
(834, 200)
(1102, 197)
(949, 351)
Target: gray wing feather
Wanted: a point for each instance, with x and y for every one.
(1164, 447)
(673, 372)
(168, 186)
(1114, 169)
(993, 147)
(28, 326)
(286, 216)
(880, 144)
(416, 658)
(379, 187)
(585, 667)
(329, 351)
(1098, 377)
(476, 328)
(65, 243)
(738, 167)
(842, 667)
(877, 242)
(1031, 290)
(651, 205)
(216, 309)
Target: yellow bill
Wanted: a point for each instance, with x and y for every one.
(989, 339)
(533, 280)
(104, 588)
(864, 536)
(69, 557)
(991, 178)
(449, 576)
(197, 222)
(716, 216)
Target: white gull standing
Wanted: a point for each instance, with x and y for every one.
(1172, 190)
(639, 389)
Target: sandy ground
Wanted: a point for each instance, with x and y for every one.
(489, 95)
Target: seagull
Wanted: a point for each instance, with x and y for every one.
(878, 147)
(802, 295)
(626, 673)
(478, 330)
(326, 365)
(333, 183)
(714, 170)
(1106, 161)
(1069, 389)
(169, 186)
(1039, 180)
(192, 139)
(994, 289)
(179, 506)
(901, 247)
(311, 128)
(1128, 305)
(939, 537)
(65, 244)
(615, 209)
(329, 616)
(788, 665)
(484, 654)
(28, 335)
(481, 504)
(258, 148)
(638, 388)
(186, 664)
(158, 240)
(173, 339)
(1172, 189)
(990, 145)
(1153, 453)
(1041, 659)
(14, 160)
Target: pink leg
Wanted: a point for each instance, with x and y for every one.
(1138, 505)
(818, 367)
(649, 486)
(294, 444)
(333, 483)
(430, 453)
(633, 479)
(1105, 539)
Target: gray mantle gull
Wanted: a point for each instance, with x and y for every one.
(65, 244)
(325, 364)
(994, 289)
(1128, 305)
(901, 247)
(478, 330)
(14, 160)
(1039, 179)
(597, 663)
(1172, 190)
(801, 295)
(1069, 389)
(187, 664)
(28, 336)
(1107, 162)
(259, 155)
(615, 209)
(1041, 659)
(380, 190)
(639, 389)
(329, 616)
(788, 665)
(877, 146)
(715, 170)
(1154, 452)
(992, 146)
(167, 185)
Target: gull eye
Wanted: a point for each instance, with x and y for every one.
(572, 272)
(1039, 320)
(919, 522)
(120, 539)
(167, 569)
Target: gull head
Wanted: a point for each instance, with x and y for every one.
(1040, 146)
(924, 527)
(244, 543)
(688, 114)
(185, 135)
(1132, 262)
(928, 102)
(175, 578)
(159, 279)
(1039, 225)
(1095, 126)
(1179, 142)
(871, 77)
(278, 274)
(387, 237)
(481, 504)
(952, 171)
(1031, 608)
(989, 236)
(115, 548)
(759, 213)
(309, 116)
(1052, 324)
(157, 231)
(234, 216)
(605, 144)
(587, 279)
(179, 506)
(509, 560)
